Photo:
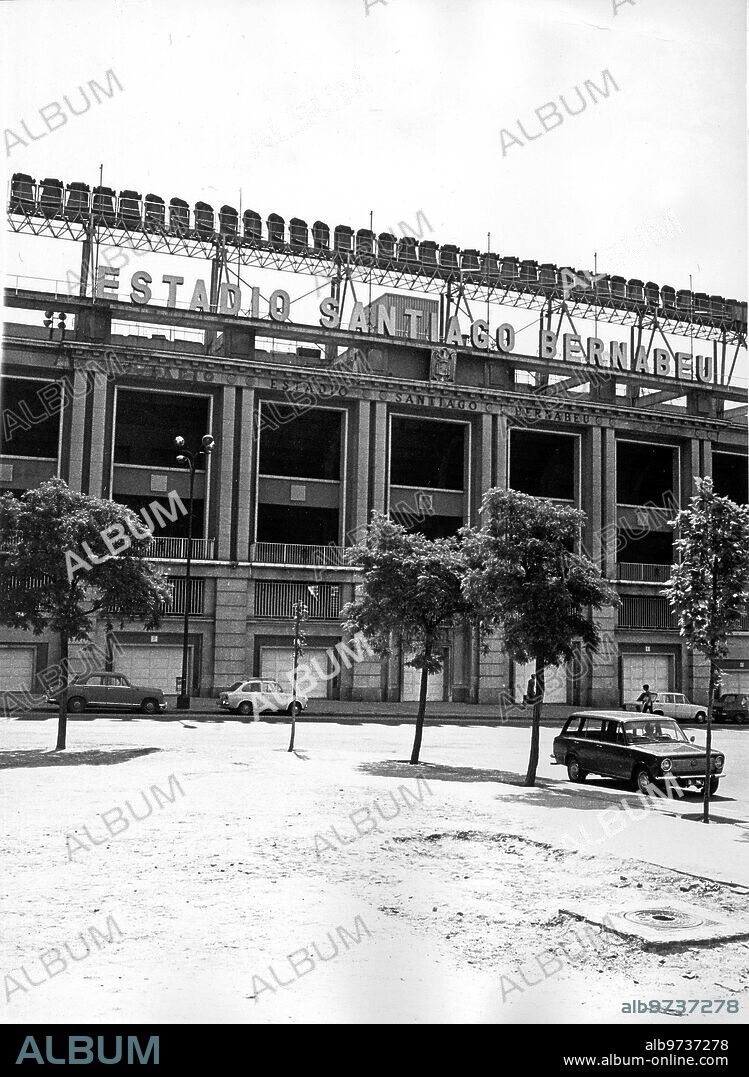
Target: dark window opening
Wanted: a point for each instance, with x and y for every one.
(300, 444)
(644, 474)
(655, 548)
(542, 465)
(147, 424)
(427, 453)
(30, 417)
(163, 527)
(298, 524)
(433, 527)
(730, 476)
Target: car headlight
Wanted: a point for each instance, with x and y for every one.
(666, 765)
(719, 761)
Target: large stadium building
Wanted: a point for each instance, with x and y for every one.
(407, 388)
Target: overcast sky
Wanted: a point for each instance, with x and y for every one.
(330, 109)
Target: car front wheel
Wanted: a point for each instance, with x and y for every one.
(245, 708)
(575, 772)
(643, 781)
(76, 704)
(149, 706)
(294, 710)
(700, 717)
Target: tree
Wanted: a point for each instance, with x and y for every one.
(411, 589)
(707, 588)
(301, 614)
(60, 571)
(521, 573)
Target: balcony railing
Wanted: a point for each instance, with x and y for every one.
(276, 600)
(292, 553)
(644, 611)
(175, 549)
(178, 585)
(637, 573)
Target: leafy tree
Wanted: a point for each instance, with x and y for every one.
(411, 590)
(708, 587)
(301, 615)
(521, 574)
(60, 572)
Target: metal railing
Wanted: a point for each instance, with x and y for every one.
(177, 603)
(297, 554)
(645, 611)
(276, 600)
(175, 549)
(643, 573)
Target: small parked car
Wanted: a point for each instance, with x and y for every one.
(108, 691)
(676, 705)
(731, 707)
(261, 697)
(640, 750)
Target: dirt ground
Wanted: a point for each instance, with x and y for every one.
(327, 885)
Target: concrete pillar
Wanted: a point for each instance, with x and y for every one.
(225, 464)
(494, 670)
(604, 664)
(96, 477)
(592, 499)
(359, 485)
(244, 450)
(379, 457)
(501, 478)
(229, 661)
(77, 428)
(689, 464)
(706, 459)
(481, 466)
(608, 503)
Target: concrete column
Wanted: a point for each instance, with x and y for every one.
(689, 462)
(706, 459)
(592, 499)
(501, 477)
(77, 428)
(482, 464)
(494, 671)
(608, 504)
(225, 464)
(604, 664)
(229, 661)
(359, 456)
(244, 450)
(96, 478)
(379, 454)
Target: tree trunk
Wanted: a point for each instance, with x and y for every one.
(422, 706)
(297, 622)
(530, 777)
(62, 714)
(708, 745)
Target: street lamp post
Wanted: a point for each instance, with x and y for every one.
(189, 457)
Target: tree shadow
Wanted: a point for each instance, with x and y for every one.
(401, 768)
(96, 757)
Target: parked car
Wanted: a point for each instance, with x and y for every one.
(260, 697)
(676, 705)
(731, 707)
(108, 691)
(639, 750)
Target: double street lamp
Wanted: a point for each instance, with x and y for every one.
(189, 457)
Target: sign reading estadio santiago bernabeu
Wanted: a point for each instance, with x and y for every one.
(615, 355)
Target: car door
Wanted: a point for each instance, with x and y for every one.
(119, 693)
(665, 704)
(681, 709)
(617, 756)
(95, 690)
(277, 699)
(591, 751)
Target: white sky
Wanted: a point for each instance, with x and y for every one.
(320, 110)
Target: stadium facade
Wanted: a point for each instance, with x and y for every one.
(408, 404)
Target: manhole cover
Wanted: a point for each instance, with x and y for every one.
(666, 919)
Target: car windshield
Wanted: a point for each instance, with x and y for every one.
(654, 732)
(237, 684)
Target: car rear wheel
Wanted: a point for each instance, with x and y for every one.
(658, 712)
(643, 781)
(76, 704)
(294, 709)
(245, 708)
(700, 717)
(149, 706)
(575, 772)
(740, 718)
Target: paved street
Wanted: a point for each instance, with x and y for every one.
(257, 854)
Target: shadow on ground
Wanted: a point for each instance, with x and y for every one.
(93, 757)
(439, 772)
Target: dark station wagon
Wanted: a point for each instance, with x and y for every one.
(109, 691)
(641, 749)
(731, 707)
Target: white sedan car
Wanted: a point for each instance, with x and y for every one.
(261, 697)
(676, 705)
